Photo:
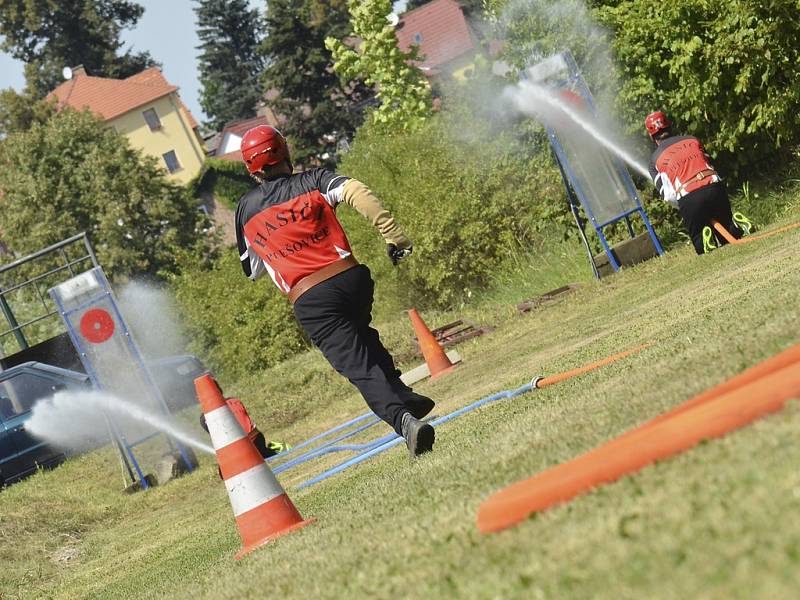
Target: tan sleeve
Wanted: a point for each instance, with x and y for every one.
(360, 197)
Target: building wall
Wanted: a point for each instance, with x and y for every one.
(175, 134)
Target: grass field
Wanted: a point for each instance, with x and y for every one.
(719, 521)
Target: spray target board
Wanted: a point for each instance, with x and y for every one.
(594, 178)
(111, 357)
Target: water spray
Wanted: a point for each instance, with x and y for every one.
(537, 101)
(76, 420)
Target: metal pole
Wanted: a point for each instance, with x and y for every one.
(12, 321)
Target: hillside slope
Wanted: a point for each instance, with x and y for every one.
(710, 523)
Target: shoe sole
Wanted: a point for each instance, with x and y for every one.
(422, 441)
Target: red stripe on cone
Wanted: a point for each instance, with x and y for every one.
(238, 457)
(271, 520)
(208, 393)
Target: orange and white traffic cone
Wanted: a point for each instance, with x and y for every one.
(434, 354)
(260, 505)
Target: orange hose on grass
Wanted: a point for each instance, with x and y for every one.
(770, 365)
(559, 377)
(752, 238)
(611, 461)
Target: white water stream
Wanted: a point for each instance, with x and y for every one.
(536, 101)
(77, 420)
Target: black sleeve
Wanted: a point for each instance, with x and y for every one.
(325, 180)
(240, 243)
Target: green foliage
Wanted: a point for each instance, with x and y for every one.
(315, 109)
(403, 92)
(19, 111)
(226, 180)
(73, 174)
(230, 34)
(466, 211)
(724, 72)
(236, 325)
(48, 35)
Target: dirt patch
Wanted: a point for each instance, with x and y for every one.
(68, 554)
(222, 217)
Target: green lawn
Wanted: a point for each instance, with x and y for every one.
(717, 522)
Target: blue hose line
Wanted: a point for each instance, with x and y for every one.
(396, 439)
(331, 431)
(329, 447)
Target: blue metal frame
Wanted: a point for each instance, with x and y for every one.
(576, 81)
(79, 344)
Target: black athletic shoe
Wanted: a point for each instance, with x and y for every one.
(419, 435)
(417, 404)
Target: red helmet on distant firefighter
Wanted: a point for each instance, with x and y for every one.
(263, 146)
(656, 122)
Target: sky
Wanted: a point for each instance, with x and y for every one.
(167, 31)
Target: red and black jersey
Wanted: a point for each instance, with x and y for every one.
(680, 166)
(287, 227)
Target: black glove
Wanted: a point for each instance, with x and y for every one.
(395, 255)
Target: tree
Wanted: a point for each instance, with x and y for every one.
(48, 35)
(728, 76)
(316, 109)
(404, 93)
(72, 173)
(18, 111)
(230, 63)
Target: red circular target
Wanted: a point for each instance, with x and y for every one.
(97, 325)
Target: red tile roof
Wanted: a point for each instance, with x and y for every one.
(111, 98)
(241, 127)
(443, 32)
(154, 76)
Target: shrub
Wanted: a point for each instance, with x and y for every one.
(236, 325)
(727, 75)
(226, 180)
(464, 203)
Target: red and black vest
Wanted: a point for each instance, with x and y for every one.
(680, 166)
(287, 226)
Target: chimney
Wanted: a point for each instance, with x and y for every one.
(79, 71)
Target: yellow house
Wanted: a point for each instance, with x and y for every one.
(147, 110)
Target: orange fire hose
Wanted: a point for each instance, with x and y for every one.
(732, 240)
(770, 365)
(753, 397)
(559, 377)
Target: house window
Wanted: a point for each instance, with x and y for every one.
(153, 122)
(171, 160)
(418, 38)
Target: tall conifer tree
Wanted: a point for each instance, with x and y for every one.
(318, 113)
(230, 62)
(48, 35)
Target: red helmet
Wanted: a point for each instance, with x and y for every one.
(656, 122)
(263, 146)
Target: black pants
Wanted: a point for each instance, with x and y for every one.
(336, 315)
(699, 207)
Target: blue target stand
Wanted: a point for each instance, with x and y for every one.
(113, 362)
(594, 178)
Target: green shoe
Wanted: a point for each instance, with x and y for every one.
(743, 223)
(709, 241)
(278, 447)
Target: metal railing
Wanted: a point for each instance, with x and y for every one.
(59, 250)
